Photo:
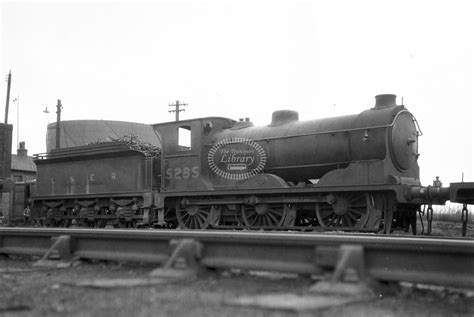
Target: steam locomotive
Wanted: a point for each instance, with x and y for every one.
(356, 172)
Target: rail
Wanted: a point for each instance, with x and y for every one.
(447, 262)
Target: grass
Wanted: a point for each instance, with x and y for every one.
(451, 212)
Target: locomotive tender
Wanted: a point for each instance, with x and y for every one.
(356, 172)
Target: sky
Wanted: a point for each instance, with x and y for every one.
(128, 61)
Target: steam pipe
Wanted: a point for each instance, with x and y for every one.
(429, 194)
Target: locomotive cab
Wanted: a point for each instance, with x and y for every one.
(183, 152)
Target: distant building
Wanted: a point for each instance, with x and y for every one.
(23, 168)
(23, 172)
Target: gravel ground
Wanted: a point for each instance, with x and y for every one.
(448, 229)
(125, 289)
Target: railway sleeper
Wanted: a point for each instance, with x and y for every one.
(59, 255)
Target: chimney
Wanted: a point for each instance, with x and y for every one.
(386, 100)
(21, 150)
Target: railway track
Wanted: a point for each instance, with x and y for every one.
(447, 262)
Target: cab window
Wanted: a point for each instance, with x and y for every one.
(184, 138)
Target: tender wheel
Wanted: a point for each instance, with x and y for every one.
(345, 210)
(267, 215)
(195, 216)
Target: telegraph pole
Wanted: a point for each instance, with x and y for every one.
(177, 110)
(9, 83)
(17, 100)
(58, 124)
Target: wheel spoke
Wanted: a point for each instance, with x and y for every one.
(187, 222)
(201, 222)
(266, 220)
(205, 212)
(191, 222)
(251, 213)
(331, 220)
(186, 216)
(351, 216)
(346, 220)
(201, 217)
(351, 220)
(272, 217)
(196, 221)
(328, 214)
(255, 218)
(352, 198)
(355, 211)
(275, 212)
(257, 221)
